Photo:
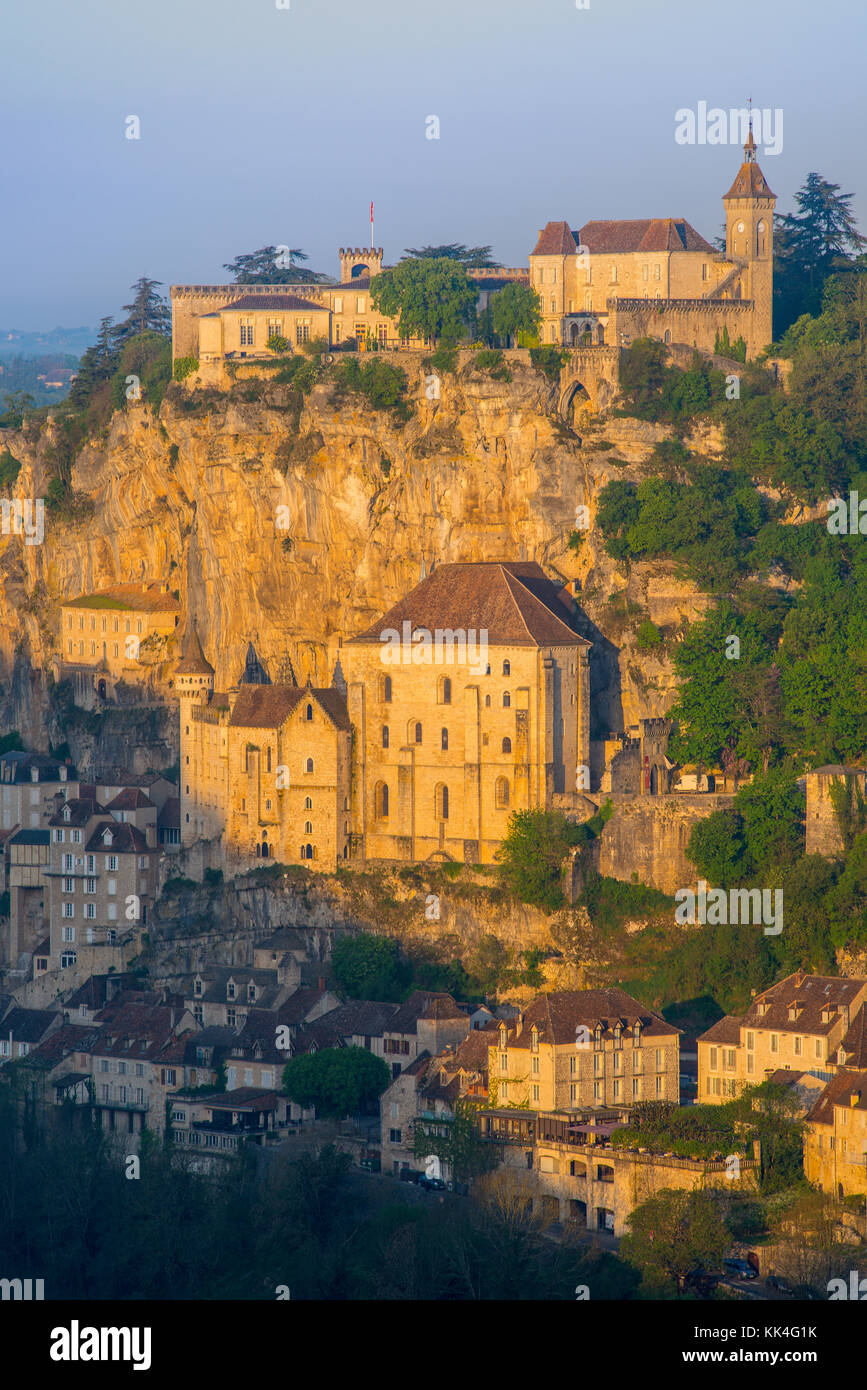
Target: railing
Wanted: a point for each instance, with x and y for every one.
(141, 1105)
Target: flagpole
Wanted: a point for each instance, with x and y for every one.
(371, 226)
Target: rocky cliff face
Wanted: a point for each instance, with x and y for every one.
(296, 532)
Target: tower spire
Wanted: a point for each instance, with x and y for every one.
(750, 146)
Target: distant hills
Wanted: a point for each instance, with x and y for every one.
(17, 342)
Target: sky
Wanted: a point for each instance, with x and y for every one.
(276, 122)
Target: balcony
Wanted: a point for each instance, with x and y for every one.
(140, 1105)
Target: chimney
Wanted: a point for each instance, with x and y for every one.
(520, 1024)
(854, 1097)
(320, 983)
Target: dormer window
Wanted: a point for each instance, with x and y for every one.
(34, 774)
(197, 988)
(108, 837)
(534, 1039)
(597, 1035)
(230, 990)
(251, 993)
(66, 813)
(636, 1032)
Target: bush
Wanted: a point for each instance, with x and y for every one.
(369, 967)
(277, 343)
(443, 360)
(9, 469)
(184, 367)
(382, 385)
(549, 360)
(647, 636)
(338, 1081)
(532, 855)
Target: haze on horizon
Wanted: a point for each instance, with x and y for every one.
(262, 125)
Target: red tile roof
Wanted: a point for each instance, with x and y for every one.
(249, 302)
(749, 181)
(557, 1015)
(130, 799)
(269, 706)
(555, 239)
(514, 601)
(642, 234)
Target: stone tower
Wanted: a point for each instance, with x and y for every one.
(749, 206)
(193, 675)
(355, 262)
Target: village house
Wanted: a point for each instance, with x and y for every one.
(422, 1100)
(835, 1139)
(797, 1025)
(103, 634)
(577, 1049)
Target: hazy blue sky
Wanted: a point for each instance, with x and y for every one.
(263, 125)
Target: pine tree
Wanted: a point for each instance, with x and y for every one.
(821, 237)
(148, 312)
(267, 266)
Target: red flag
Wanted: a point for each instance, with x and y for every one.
(371, 212)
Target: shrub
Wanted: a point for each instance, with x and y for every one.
(9, 469)
(443, 360)
(548, 359)
(648, 635)
(277, 343)
(184, 367)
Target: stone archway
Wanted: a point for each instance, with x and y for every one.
(576, 402)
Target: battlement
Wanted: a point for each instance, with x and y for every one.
(368, 252)
(681, 306)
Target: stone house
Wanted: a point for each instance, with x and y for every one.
(575, 1049)
(798, 1024)
(423, 1098)
(102, 635)
(469, 700)
(823, 832)
(22, 1030)
(835, 1141)
(30, 786)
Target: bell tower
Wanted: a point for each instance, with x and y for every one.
(749, 206)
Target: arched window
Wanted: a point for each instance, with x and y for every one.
(507, 668)
(380, 797)
(487, 702)
(385, 689)
(385, 735)
(308, 828)
(258, 851)
(309, 767)
(442, 801)
(306, 851)
(501, 793)
(507, 699)
(507, 745)
(308, 803)
(309, 712)
(264, 849)
(445, 690)
(444, 740)
(268, 758)
(417, 733)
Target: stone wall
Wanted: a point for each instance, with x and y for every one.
(694, 322)
(647, 836)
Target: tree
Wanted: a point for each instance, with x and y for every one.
(532, 854)
(429, 298)
(148, 312)
(15, 406)
(456, 1141)
(338, 1081)
(268, 266)
(811, 242)
(676, 1234)
(474, 257)
(370, 967)
(515, 309)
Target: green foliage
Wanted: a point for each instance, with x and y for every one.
(723, 345)
(338, 1081)
(515, 309)
(9, 469)
(532, 855)
(689, 1131)
(443, 360)
(184, 367)
(611, 903)
(675, 1234)
(475, 257)
(428, 297)
(647, 636)
(16, 405)
(850, 809)
(213, 878)
(272, 265)
(456, 1141)
(820, 237)
(370, 967)
(549, 360)
(382, 385)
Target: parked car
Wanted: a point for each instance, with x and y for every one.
(774, 1281)
(372, 1165)
(432, 1184)
(739, 1269)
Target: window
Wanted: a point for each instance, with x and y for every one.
(417, 733)
(111, 863)
(613, 275)
(359, 304)
(90, 910)
(231, 1018)
(444, 693)
(380, 798)
(385, 689)
(394, 1136)
(68, 862)
(751, 1040)
(507, 699)
(302, 332)
(385, 735)
(504, 1061)
(504, 1090)
(573, 1064)
(657, 272)
(246, 335)
(501, 799)
(58, 836)
(308, 827)
(67, 933)
(441, 799)
(507, 745)
(714, 1064)
(444, 740)
(775, 1043)
(309, 765)
(507, 668)
(68, 910)
(308, 715)
(645, 272)
(338, 304)
(535, 1093)
(798, 1046)
(660, 1086)
(69, 885)
(597, 1090)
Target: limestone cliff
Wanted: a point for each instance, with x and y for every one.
(295, 531)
